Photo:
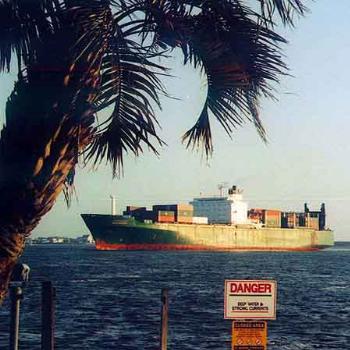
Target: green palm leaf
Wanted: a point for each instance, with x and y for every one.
(286, 9)
(234, 46)
(240, 58)
(23, 26)
(130, 85)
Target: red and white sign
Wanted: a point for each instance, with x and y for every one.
(250, 299)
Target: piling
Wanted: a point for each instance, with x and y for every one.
(164, 320)
(48, 296)
(16, 294)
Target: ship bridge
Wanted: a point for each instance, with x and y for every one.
(230, 209)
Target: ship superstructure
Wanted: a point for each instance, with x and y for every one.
(229, 209)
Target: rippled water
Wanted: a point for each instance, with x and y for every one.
(111, 300)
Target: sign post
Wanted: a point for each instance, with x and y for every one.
(251, 302)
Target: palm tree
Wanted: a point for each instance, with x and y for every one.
(77, 57)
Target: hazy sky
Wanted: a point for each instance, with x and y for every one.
(306, 159)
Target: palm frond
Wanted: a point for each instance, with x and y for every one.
(235, 47)
(286, 10)
(240, 58)
(200, 133)
(130, 85)
(23, 24)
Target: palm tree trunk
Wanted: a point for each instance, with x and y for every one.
(11, 247)
(49, 119)
(26, 198)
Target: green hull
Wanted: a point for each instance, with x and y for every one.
(120, 233)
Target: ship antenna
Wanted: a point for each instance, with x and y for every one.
(221, 187)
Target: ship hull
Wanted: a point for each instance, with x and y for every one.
(110, 233)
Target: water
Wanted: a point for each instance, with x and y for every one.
(111, 300)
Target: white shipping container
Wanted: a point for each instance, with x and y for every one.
(200, 220)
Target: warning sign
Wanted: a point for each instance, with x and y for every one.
(250, 299)
(249, 335)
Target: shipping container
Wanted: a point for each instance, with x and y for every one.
(165, 219)
(269, 217)
(173, 207)
(131, 208)
(166, 213)
(272, 212)
(165, 216)
(179, 210)
(301, 219)
(187, 213)
(289, 220)
(312, 221)
(184, 219)
(272, 218)
(146, 215)
(272, 222)
(200, 220)
(186, 207)
(256, 215)
(139, 214)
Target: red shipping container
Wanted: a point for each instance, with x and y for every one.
(270, 212)
(163, 218)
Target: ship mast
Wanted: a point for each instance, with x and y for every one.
(113, 206)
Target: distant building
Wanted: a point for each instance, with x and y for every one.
(85, 239)
(57, 240)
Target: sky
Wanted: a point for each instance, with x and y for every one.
(306, 159)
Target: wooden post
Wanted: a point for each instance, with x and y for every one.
(16, 297)
(164, 320)
(47, 316)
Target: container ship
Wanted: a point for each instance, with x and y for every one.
(217, 223)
